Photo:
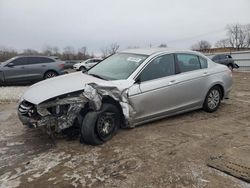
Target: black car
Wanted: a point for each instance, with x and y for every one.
(225, 59)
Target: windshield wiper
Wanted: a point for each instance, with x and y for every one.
(97, 76)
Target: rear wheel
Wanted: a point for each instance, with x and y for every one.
(99, 127)
(50, 74)
(213, 99)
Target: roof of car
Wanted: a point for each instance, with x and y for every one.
(151, 51)
(52, 57)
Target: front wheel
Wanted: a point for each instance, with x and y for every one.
(99, 127)
(213, 99)
(82, 69)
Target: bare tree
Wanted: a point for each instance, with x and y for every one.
(239, 35)
(201, 45)
(7, 53)
(47, 50)
(68, 53)
(105, 52)
(223, 43)
(82, 53)
(30, 52)
(55, 51)
(163, 46)
(113, 48)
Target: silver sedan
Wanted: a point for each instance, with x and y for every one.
(129, 88)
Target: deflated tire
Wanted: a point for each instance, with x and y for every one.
(99, 127)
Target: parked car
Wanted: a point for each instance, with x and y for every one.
(225, 59)
(87, 64)
(127, 89)
(24, 69)
(69, 64)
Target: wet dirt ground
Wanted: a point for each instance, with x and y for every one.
(168, 153)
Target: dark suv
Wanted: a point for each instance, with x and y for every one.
(23, 69)
(225, 59)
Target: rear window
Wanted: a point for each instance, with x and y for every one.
(187, 62)
(203, 62)
(39, 60)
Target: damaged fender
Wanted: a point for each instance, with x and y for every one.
(95, 94)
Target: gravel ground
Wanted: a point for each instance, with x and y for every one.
(167, 153)
(11, 93)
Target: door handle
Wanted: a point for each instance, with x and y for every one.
(43, 65)
(172, 82)
(205, 74)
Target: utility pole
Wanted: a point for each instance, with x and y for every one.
(236, 37)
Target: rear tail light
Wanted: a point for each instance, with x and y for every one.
(61, 65)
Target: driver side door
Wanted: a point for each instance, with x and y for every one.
(17, 72)
(153, 95)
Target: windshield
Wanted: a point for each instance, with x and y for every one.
(118, 66)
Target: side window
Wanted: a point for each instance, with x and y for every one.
(38, 60)
(159, 67)
(20, 61)
(97, 60)
(215, 58)
(48, 60)
(45, 60)
(221, 57)
(187, 62)
(203, 62)
(32, 60)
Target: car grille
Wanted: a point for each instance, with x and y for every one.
(25, 107)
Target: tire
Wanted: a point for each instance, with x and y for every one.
(99, 127)
(213, 99)
(82, 69)
(50, 74)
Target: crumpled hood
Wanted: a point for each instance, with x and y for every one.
(68, 83)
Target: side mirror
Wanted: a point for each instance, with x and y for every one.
(138, 80)
(10, 65)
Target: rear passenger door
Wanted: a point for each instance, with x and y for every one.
(192, 80)
(37, 67)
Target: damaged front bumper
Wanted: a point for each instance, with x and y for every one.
(55, 115)
(62, 112)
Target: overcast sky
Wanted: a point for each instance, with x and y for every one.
(98, 23)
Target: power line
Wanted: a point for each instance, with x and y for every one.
(196, 36)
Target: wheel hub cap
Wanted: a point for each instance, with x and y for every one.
(105, 125)
(213, 99)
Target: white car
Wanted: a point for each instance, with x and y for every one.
(87, 64)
